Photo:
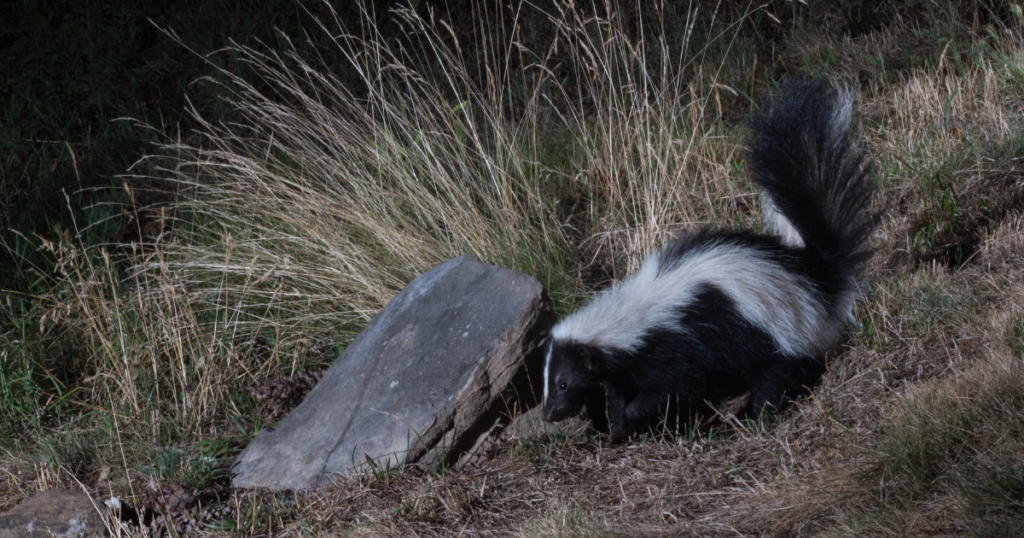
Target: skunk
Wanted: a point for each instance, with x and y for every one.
(719, 314)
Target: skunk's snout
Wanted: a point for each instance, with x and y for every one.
(553, 413)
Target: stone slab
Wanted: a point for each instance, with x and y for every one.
(429, 376)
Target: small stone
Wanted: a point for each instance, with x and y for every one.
(56, 512)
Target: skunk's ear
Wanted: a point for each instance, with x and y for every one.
(586, 357)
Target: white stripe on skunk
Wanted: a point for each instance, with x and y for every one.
(780, 225)
(781, 303)
(720, 314)
(547, 367)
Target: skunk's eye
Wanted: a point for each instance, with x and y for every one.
(562, 386)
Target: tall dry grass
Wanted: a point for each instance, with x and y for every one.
(328, 196)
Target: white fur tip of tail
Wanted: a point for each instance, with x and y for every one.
(780, 225)
(843, 111)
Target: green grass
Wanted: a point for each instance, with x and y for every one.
(962, 436)
(927, 306)
(538, 450)
(935, 308)
(571, 520)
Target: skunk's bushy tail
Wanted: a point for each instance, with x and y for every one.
(816, 192)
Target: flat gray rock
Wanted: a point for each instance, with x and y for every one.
(448, 359)
(54, 512)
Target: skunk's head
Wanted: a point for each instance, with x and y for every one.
(570, 374)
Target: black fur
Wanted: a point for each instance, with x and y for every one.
(817, 179)
(675, 373)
